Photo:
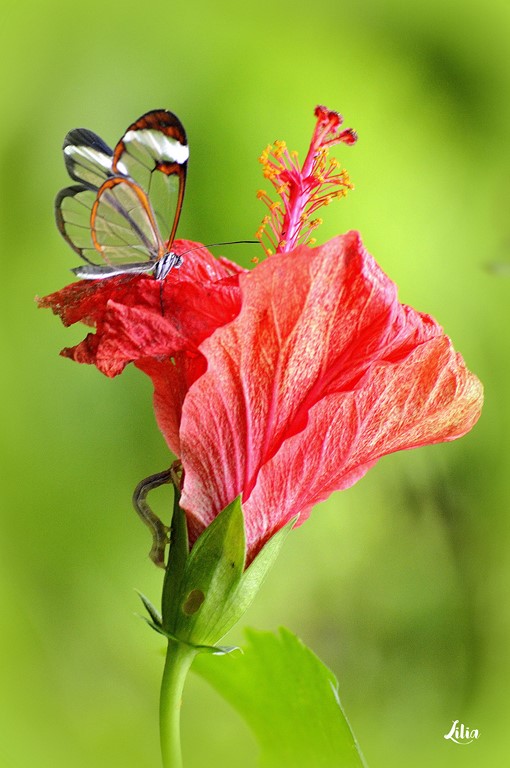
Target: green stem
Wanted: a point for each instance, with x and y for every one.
(178, 661)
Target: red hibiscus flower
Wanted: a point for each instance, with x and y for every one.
(286, 382)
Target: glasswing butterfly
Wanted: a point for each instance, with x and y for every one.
(122, 216)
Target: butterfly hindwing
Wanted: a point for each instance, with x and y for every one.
(73, 207)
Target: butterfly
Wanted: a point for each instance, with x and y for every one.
(122, 215)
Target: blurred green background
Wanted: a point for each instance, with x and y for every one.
(401, 583)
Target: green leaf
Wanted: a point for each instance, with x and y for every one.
(289, 699)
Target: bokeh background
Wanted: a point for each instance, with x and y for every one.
(401, 583)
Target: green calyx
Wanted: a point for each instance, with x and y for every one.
(206, 590)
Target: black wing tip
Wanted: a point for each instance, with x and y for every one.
(84, 137)
(70, 191)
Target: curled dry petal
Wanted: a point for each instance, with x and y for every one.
(137, 318)
(156, 325)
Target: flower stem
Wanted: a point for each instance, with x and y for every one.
(178, 661)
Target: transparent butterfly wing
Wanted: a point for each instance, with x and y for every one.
(123, 214)
(88, 159)
(154, 153)
(122, 224)
(114, 226)
(73, 206)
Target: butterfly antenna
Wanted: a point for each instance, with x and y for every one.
(231, 242)
(213, 245)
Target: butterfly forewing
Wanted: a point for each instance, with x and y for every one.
(154, 152)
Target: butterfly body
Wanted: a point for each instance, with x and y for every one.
(122, 215)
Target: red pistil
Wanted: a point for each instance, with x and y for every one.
(303, 189)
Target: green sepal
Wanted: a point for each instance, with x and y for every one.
(153, 612)
(217, 650)
(176, 566)
(155, 624)
(256, 572)
(206, 592)
(212, 572)
(156, 627)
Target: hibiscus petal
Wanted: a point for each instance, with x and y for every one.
(427, 398)
(171, 379)
(137, 317)
(314, 359)
(129, 334)
(86, 301)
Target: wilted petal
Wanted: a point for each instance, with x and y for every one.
(137, 317)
